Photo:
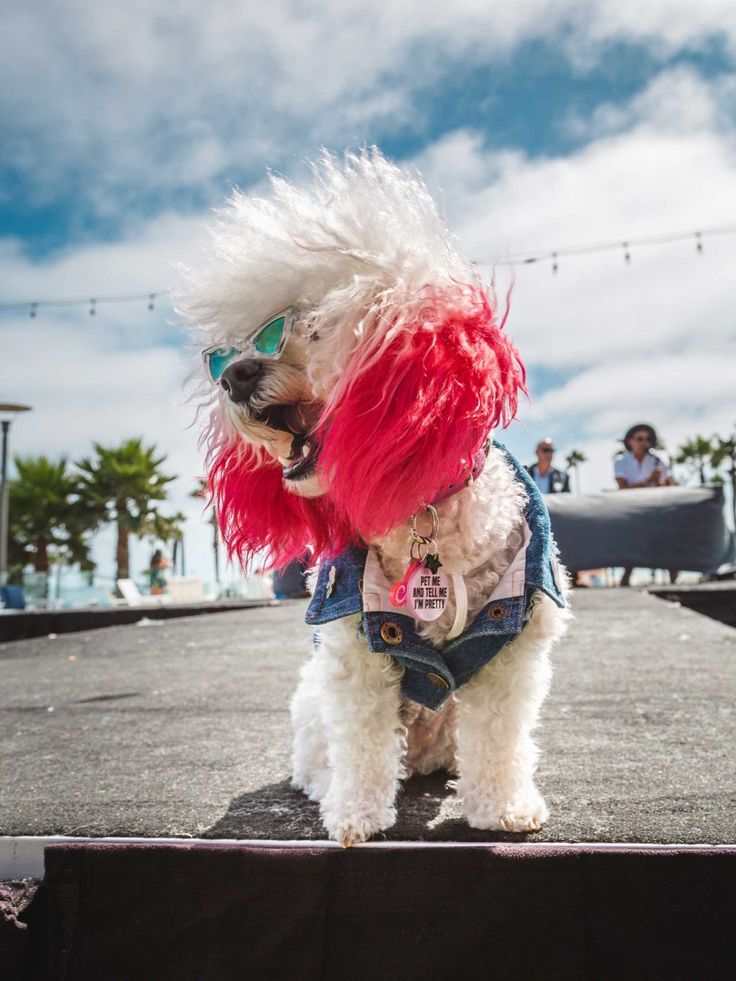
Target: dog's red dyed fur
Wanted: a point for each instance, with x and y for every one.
(405, 426)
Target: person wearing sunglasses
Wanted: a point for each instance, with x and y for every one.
(640, 467)
(548, 479)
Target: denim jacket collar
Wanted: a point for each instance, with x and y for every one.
(353, 583)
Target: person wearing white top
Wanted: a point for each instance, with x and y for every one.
(640, 467)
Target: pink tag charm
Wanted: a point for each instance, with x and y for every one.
(398, 593)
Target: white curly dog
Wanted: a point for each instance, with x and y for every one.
(355, 367)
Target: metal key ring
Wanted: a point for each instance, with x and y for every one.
(418, 544)
(435, 524)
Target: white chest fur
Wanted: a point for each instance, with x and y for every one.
(481, 538)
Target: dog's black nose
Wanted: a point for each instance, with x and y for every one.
(240, 379)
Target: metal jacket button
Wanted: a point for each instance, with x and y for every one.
(496, 613)
(391, 632)
(437, 680)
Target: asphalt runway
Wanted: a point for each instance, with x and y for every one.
(180, 728)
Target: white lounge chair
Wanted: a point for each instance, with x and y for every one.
(134, 597)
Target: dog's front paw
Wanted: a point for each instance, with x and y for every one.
(351, 821)
(523, 810)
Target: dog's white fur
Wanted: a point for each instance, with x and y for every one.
(363, 239)
(355, 737)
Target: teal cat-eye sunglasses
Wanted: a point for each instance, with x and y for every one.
(267, 343)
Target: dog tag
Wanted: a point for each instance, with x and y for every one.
(427, 593)
(424, 587)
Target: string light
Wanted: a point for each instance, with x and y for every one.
(33, 306)
(518, 259)
(526, 259)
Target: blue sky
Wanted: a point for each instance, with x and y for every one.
(538, 123)
(524, 98)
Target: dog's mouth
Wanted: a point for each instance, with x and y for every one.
(299, 419)
(302, 461)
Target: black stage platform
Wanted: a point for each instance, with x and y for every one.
(712, 599)
(26, 624)
(179, 729)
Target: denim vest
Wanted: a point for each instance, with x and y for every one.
(431, 675)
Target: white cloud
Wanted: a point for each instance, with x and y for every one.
(699, 380)
(142, 260)
(108, 377)
(83, 388)
(655, 172)
(677, 100)
(653, 340)
(158, 97)
(668, 24)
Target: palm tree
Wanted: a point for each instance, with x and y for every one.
(48, 521)
(123, 485)
(696, 453)
(724, 451)
(573, 460)
(202, 492)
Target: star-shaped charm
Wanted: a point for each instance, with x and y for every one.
(433, 563)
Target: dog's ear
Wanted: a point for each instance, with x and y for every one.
(416, 406)
(259, 518)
